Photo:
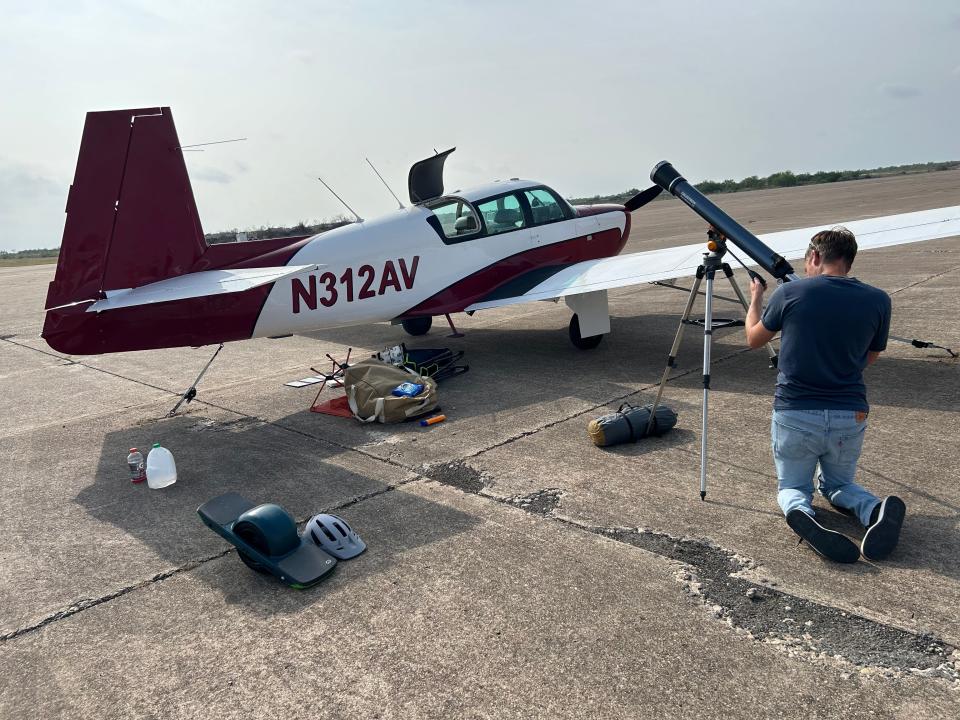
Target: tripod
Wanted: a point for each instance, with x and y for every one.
(712, 261)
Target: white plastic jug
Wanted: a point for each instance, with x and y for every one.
(161, 469)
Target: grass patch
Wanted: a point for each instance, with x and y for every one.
(18, 262)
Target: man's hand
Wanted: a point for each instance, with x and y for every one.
(757, 334)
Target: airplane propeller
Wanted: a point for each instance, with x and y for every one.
(642, 198)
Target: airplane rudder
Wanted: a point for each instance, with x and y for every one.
(131, 215)
(91, 206)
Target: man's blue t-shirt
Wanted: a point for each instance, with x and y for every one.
(828, 324)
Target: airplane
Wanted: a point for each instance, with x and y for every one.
(135, 272)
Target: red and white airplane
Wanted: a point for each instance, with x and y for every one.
(135, 272)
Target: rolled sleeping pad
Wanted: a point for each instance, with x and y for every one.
(629, 424)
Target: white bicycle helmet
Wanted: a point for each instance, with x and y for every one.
(332, 534)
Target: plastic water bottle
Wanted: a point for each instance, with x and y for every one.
(138, 472)
(161, 469)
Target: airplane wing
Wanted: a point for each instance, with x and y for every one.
(682, 261)
(198, 284)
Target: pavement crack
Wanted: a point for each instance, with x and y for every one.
(768, 615)
(87, 603)
(593, 408)
(924, 280)
(772, 616)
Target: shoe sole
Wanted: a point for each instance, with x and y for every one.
(881, 537)
(829, 543)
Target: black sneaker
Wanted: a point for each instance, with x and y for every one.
(883, 533)
(829, 543)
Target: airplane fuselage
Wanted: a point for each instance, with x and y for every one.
(399, 266)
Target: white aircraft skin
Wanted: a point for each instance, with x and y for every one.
(135, 272)
(376, 270)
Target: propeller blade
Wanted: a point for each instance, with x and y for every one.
(642, 198)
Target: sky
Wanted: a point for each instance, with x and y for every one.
(585, 97)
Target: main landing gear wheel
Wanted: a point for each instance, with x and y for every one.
(417, 326)
(584, 343)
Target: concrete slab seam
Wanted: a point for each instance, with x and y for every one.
(924, 280)
(708, 574)
(87, 603)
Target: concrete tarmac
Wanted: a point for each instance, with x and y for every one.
(514, 569)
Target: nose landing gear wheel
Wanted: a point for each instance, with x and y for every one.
(417, 326)
(584, 343)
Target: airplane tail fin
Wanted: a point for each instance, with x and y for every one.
(131, 215)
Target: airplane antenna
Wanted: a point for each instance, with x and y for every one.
(384, 182)
(359, 219)
(192, 148)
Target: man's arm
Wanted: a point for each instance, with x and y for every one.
(872, 355)
(757, 333)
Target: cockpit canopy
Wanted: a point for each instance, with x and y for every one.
(456, 219)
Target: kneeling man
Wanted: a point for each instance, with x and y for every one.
(832, 326)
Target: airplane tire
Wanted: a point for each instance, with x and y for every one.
(583, 343)
(417, 326)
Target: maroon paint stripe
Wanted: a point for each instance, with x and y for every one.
(179, 323)
(480, 284)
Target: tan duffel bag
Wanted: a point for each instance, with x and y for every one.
(369, 384)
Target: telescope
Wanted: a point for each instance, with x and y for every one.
(667, 177)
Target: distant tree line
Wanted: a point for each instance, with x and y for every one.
(36, 253)
(263, 232)
(785, 178)
(777, 179)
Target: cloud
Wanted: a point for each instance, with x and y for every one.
(899, 91)
(307, 57)
(21, 186)
(31, 207)
(209, 174)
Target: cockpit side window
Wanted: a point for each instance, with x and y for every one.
(457, 218)
(502, 214)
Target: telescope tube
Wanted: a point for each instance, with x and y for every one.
(667, 177)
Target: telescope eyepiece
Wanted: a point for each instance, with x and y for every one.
(665, 175)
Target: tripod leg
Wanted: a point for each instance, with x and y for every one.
(746, 306)
(707, 346)
(671, 359)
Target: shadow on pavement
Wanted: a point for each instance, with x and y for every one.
(265, 464)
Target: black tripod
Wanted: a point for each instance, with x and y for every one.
(712, 261)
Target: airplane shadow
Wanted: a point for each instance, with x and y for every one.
(635, 353)
(511, 368)
(264, 464)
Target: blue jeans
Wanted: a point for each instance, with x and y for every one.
(802, 439)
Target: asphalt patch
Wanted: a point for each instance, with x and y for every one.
(769, 614)
(459, 475)
(542, 502)
(466, 478)
(764, 612)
